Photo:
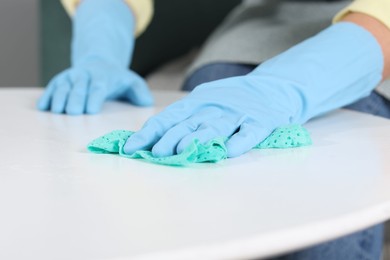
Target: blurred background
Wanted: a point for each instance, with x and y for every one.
(19, 42)
(36, 35)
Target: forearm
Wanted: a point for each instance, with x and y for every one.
(103, 30)
(378, 30)
(142, 10)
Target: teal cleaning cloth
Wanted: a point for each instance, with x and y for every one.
(213, 151)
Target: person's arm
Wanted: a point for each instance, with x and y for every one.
(334, 68)
(142, 10)
(101, 52)
(378, 29)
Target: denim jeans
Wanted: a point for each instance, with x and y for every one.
(366, 244)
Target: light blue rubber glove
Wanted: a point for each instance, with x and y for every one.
(102, 46)
(332, 69)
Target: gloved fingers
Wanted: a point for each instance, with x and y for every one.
(97, 94)
(222, 127)
(138, 92)
(157, 126)
(167, 144)
(249, 135)
(60, 95)
(77, 99)
(46, 98)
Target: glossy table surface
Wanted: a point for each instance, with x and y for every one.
(60, 202)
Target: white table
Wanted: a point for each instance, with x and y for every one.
(60, 202)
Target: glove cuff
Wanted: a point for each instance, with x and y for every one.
(330, 70)
(103, 29)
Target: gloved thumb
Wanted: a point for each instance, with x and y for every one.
(138, 92)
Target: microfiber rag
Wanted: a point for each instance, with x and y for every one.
(212, 151)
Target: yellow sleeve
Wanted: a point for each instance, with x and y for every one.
(142, 9)
(379, 9)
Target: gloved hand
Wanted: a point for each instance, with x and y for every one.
(334, 68)
(102, 46)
